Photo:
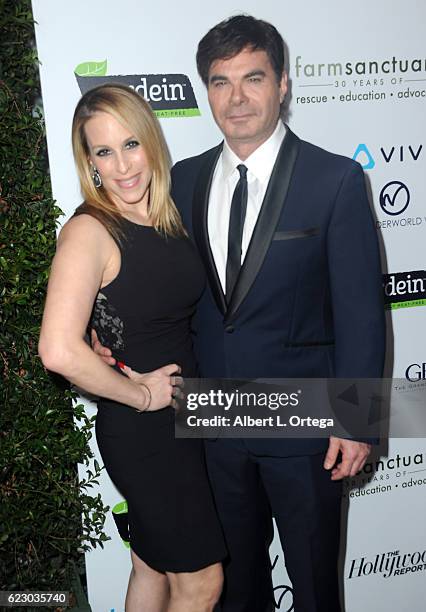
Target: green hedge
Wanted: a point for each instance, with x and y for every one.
(47, 518)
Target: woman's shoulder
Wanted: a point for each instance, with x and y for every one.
(85, 239)
(84, 225)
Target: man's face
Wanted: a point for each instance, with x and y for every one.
(245, 99)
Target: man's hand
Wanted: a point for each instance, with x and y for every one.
(102, 351)
(354, 456)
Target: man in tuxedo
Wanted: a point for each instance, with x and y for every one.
(294, 290)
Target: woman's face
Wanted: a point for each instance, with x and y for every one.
(121, 161)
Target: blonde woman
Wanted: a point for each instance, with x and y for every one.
(125, 267)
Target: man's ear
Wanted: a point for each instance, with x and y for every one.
(283, 86)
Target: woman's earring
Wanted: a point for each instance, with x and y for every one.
(97, 181)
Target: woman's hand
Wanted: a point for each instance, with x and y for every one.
(159, 388)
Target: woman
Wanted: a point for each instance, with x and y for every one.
(125, 267)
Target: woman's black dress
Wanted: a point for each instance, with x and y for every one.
(143, 315)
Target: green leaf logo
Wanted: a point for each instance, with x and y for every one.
(120, 508)
(122, 522)
(92, 69)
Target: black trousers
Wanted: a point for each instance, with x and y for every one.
(305, 503)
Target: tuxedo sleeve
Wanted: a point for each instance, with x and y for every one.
(174, 176)
(355, 281)
(182, 181)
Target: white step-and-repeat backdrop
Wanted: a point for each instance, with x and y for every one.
(358, 87)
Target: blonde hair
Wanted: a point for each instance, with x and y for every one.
(135, 114)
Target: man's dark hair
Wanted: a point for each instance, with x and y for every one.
(229, 37)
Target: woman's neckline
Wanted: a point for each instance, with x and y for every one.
(137, 224)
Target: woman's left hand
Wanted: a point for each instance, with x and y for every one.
(164, 385)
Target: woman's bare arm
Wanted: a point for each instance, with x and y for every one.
(83, 255)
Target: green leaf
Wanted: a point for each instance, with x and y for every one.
(91, 69)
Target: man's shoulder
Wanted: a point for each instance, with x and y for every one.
(195, 162)
(314, 154)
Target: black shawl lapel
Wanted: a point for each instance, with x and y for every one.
(267, 221)
(199, 223)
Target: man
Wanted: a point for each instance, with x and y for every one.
(294, 290)
(305, 301)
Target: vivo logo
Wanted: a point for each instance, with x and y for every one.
(401, 153)
(395, 153)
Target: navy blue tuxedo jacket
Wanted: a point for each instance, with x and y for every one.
(308, 301)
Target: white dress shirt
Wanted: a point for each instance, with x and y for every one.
(225, 178)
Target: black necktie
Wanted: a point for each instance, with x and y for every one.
(235, 232)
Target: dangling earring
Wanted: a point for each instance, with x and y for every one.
(97, 180)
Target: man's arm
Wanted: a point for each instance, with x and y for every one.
(355, 282)
(357, 299)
